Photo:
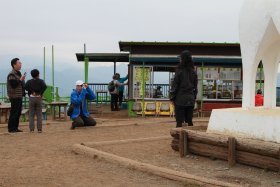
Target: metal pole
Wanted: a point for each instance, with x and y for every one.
(143, 88)
(44, 63)
(86, 60)
(115, 69)
(53, 71)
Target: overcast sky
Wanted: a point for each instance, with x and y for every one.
(27, 26)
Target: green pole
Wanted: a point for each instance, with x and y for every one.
(86, 60)
(143, 87)
(202, 79)
(53, 71)
(44, 63)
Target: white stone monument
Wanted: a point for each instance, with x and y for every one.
(259, 31)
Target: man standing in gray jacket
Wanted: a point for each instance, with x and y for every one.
(15, 89)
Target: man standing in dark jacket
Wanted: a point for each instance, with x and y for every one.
(15, 89)
(184, 90)
(35, 88)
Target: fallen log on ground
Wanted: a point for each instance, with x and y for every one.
(144, 167)
(236, 150)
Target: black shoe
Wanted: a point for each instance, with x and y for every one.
(18, 130)
(11, 131)
(73, 126)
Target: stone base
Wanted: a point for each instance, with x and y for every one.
(258, 123)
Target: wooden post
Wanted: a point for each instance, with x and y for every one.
(181, 143)
(231, 151)
(185, 143)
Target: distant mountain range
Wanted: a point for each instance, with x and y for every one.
(65, 79)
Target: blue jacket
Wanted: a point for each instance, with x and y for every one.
(122, 80)
(79, 99)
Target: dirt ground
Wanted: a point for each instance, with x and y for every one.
(47, 159)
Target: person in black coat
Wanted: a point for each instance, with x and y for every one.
(184, 89)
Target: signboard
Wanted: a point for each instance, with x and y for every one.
(230, 74)
(208, 72)
(141, 77)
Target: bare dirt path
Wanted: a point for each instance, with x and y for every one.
(47, 159)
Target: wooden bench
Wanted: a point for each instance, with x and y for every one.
(4, 110)
(44, 112)
(24, 113)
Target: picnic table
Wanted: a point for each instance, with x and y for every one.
(58, 105)
(4, 109)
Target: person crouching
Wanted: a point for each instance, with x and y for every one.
(80, 115)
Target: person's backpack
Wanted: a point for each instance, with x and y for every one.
(111, 86)
(70, 110)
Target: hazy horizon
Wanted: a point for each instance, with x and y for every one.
(33, 25)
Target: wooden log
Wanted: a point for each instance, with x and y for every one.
(175, 141)
(259, 161)
(144, 167)
(182, 144)
(231, 151)
(258, 147)
(139, 140)
(208, 150)
(175, 144)
(175, 133)
(175, 147)
(247, 145)
(207, 138)
(196, 128)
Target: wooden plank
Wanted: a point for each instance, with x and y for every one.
(231, 151)
(259, 161)
(208, 150)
